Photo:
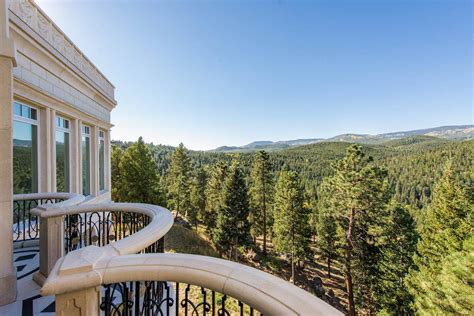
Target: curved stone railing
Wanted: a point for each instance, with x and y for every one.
(116, 228)
(113, 279)
(76, 283)
(26, 225)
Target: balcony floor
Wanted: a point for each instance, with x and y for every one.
(29, 301)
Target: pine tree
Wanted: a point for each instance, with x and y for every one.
(398, 247)
(359, 198)
(214, 195)
(138, 176)
(198, 196)
(116, 156)
(291, 225)
(452, 287)
(179, 180)
(232, 226)
(326, 227)
(261, 196)
(447, 224)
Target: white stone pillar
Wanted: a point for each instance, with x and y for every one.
(75, 143)
(108, 171)
(51, 245)
(45, 158)
(80, 303)
(53, 152)
(94, 161)
(7, 62)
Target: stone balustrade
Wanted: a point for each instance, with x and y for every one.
(66, 228)
(85, 271)
(26, 226)
(77, 278)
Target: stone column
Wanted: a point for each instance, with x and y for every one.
(7, 62)
(94, 161)
(108, 172)
(45, 151)
(75, 143)
(80, 303)
(53, 152)
(51, 245)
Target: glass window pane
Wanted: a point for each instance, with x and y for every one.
(101, 164)
(86, 166)
(17, 109)
(62, 161)
(25, 111)
(32, 114)
(25, 158)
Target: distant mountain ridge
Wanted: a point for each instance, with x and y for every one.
(453, 132)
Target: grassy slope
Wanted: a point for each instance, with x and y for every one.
(181, 239)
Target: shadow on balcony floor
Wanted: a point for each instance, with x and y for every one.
(29, 301)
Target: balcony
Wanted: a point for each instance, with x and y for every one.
(108, 259)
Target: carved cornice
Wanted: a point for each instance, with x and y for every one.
(36, 20)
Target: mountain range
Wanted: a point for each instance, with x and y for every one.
(454, 132)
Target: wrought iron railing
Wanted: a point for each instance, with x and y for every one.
(100, 228)
(26, 225)
(168, 298)
(117, 279)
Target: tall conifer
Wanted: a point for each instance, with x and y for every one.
(179, 181)
(359, 198)
(213, 193)
(291, 219)
(232, 226)
(261, 196)
(138, 175)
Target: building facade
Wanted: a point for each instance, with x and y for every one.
(55, 108)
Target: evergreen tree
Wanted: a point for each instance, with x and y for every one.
(179, 181)
(359, 198)
(115, 158)
(398, 247)
(138, 176)
(451, 290)
(447, 224)
(291, 225)
(198, 196)
(326, 227)
(232, 226)
(214, 195)
(261, 196)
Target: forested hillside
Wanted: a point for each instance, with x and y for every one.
(366, 228)
(413, 163)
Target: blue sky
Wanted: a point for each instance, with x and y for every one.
(211, 73)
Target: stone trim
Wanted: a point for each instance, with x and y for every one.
(35, 20)
(47, 82)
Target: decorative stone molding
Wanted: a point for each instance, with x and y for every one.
(84, 302)
(34, 18)
(33, 74)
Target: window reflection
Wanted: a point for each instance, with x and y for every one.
(101, 161)
(62, 161)
(25, 158)
(86, 162)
